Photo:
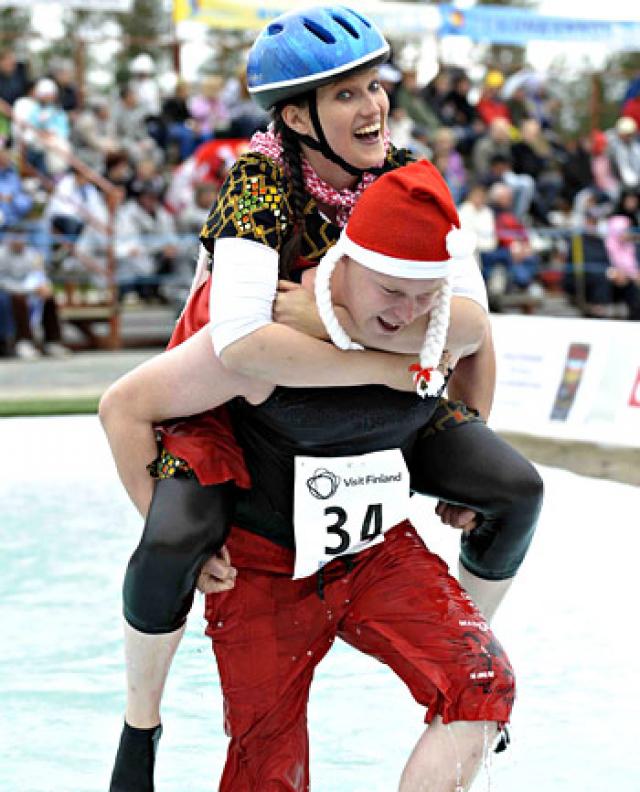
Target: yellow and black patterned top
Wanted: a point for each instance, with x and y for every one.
(255, 203)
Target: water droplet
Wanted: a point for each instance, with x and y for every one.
(347, 601)
(294, 659)
(220, 624)
(309, 653)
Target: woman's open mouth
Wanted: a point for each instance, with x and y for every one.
(369, 133)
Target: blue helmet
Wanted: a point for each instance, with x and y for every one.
(301, 50)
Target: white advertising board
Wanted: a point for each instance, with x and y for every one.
(568, 378)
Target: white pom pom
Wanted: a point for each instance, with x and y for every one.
(460, 243)
(433, 386)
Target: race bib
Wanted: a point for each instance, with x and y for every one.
(345, 504)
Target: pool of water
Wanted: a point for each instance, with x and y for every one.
(67, 531)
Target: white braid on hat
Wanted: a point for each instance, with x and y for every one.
(324, 271)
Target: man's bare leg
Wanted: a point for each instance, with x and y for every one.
(447, 758)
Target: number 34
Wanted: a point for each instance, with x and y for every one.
(371, 527)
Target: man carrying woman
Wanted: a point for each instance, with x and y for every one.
(279, 212)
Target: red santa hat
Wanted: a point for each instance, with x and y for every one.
(404, 225)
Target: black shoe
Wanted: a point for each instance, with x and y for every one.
(504, 738)
(135, 760)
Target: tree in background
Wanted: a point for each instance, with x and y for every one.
(144, 28)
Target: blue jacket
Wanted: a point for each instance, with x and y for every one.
(15, 203)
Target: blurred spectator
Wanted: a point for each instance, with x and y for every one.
(63, 74)
(192, 218)
(129, 116)
(591, 279)
(521, 184)
(210, 163)
(118, 169)
(189, 222)
(142, 72)
(15, 202)
(496, 140)
(74, 201)
(86, 265)
(208, 109)
(147, 246)
(48, 135)
(516, 102)
(449, 162)
(410, 99)
(245, 117)
(624, 153)
(490, 106)
(147, 174)
(7, 324)
(435, 92)
(603, 177)
(14, 77)
(633, 89)
(577, 171)
(522, 263)
(181, 137)
(623, 233)
(93, 134)
(476, 216)
(13, 84)
(458, 113)
(533, 155)
(390, 78)
(22, 276)
(456, 110)
(542, 105)
(22, 110)
(631, 109)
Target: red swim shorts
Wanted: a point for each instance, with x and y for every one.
(396, 602)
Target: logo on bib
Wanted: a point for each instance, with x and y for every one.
(323, 484)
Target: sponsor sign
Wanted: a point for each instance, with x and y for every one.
(567, 378)
(393, 18)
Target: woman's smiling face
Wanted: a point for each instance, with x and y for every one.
(353, 113)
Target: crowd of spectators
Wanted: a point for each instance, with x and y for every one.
(537, 201)
(526, 192)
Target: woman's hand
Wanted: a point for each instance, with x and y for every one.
(296, 307)
(397, 375)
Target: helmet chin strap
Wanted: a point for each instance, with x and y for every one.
(322, 145)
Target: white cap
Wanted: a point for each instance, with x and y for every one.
(46, 87)
(626, 126)
(142, 64)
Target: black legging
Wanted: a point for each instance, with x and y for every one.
(469, 465)
(187, 523)
(464, 464)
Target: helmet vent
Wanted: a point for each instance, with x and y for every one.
(364, 21)
(346, 25)
(274, 29)
(322, 33)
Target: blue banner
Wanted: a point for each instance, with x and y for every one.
(499, 25)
